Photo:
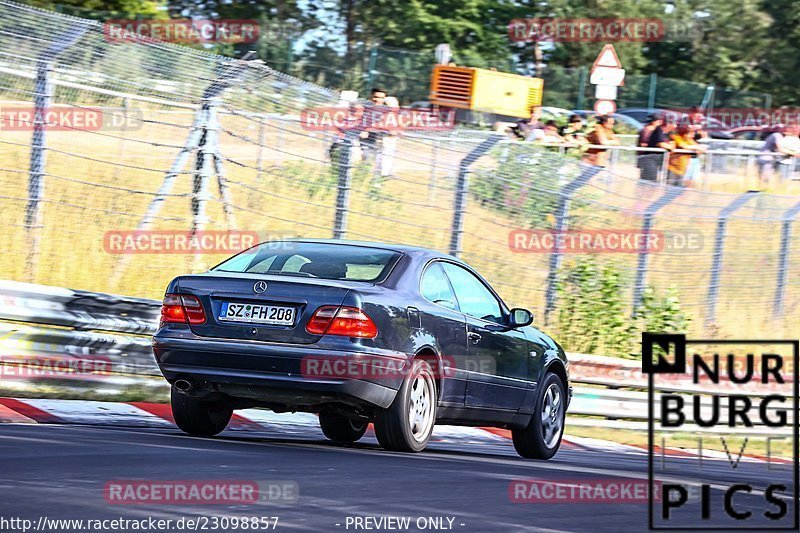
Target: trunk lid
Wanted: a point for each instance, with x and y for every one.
(304, 296)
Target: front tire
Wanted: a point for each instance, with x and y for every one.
(542, 437)
(339, 428)
(202, 418)
(407, 424)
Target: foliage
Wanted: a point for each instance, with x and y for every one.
(748, 45)
(593, 316)
(525, 189)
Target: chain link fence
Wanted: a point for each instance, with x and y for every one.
(191, 142)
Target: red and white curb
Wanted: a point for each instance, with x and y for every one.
(158, 415)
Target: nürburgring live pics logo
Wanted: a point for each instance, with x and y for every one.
(741, 396)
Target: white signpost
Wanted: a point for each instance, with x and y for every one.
(607, 74)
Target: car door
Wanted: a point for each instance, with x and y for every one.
(446, 323)
(497, 368)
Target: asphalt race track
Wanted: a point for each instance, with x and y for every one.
(60, 471)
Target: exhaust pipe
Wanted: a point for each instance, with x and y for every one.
(183, 385)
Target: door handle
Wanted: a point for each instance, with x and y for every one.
(474, 337)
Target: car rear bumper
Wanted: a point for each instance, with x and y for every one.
(269, 373)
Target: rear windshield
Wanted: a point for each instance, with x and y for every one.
(313, 260)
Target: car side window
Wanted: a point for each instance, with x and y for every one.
(436, 288)
(474, 298)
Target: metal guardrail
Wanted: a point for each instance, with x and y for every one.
(52, 335)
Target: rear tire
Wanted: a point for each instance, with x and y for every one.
(407, 424)
(339, 428)
(202, 418)
(542, 437)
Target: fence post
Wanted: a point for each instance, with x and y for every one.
(432, 182)
(373, 60)
(581, 89)
(43, 97)
(719, 245)
(562, 217)
(651, 97)
(783, 259)
(644, 254)
(202, 175)
(197, 140)
(344, 169)
(462, 188)
(260, 156)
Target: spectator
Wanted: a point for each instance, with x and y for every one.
(648, 161)
(660, 138)
(697, 121)
(372, 139)
(530, 129)
(783, 142)
(684, 139)
(385, 160)
(573, 131)
(602, 135)
(551, 135)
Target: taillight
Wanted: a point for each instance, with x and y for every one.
(194, 309)
(343, 321)
(182, 309)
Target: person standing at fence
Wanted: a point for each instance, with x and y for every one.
(531, 128)
(660, 138)
(686, 149)
(371, 139)
(388, 146)
(602, 135)
(648, 161)
(573, 131)
(781, 146)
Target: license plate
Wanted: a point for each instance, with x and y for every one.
(257, 313)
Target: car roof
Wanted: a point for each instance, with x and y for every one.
(402, 248)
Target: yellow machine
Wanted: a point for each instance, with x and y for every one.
(485, 90)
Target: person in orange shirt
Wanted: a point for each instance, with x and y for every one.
(684, 139)
(601, 135)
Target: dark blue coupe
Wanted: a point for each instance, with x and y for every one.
(400, 336)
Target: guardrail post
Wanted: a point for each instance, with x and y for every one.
(783, 259)
(562, 217)
(644, 254)
(344, 167)
(43, 96)
(462, 189)
(719, 245)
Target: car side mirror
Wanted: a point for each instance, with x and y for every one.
(520, 317)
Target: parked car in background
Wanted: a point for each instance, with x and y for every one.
(624, 124)
(752, 133)
(555, 113)
(716, 128)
